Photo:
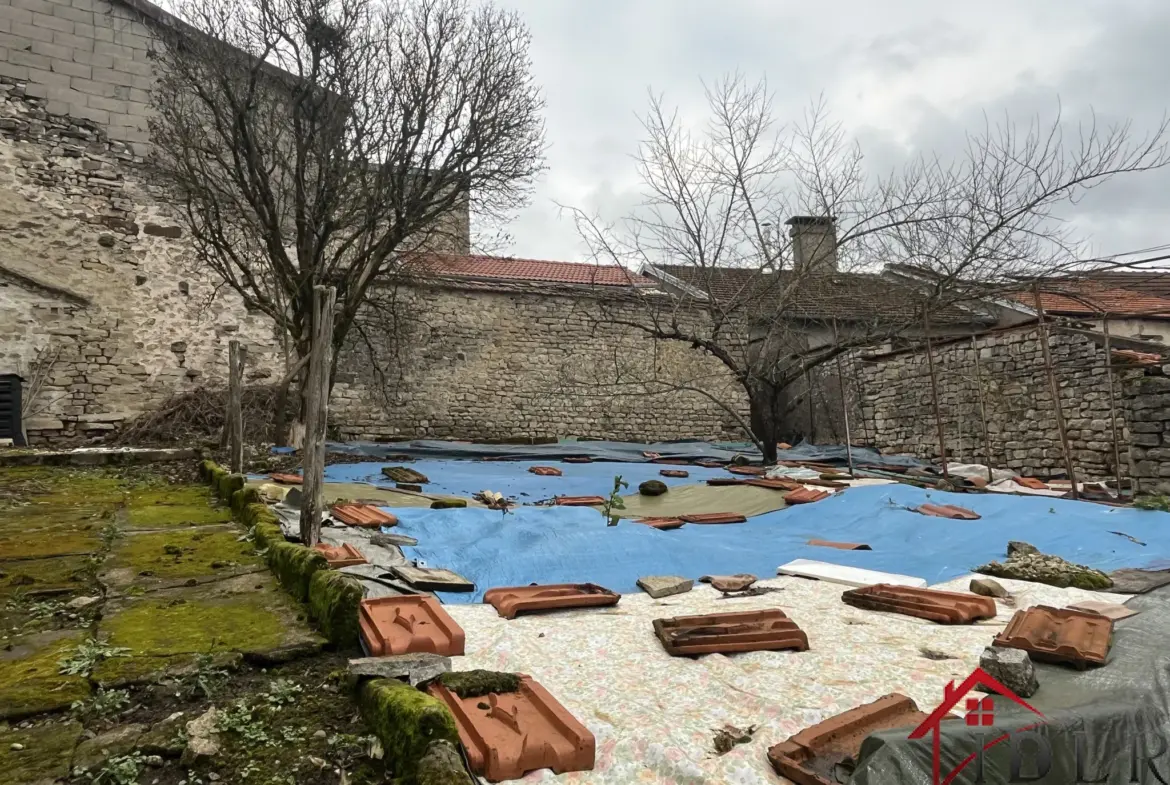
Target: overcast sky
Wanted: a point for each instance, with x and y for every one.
(901, 74)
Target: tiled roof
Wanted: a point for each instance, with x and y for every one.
(847, 296)
(1155, 282)
(1093, 297)
(502, 268)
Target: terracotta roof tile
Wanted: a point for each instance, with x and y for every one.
(535, 270)
(1091, 298)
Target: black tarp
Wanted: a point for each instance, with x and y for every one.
(1102, 725)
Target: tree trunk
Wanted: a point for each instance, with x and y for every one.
(315, 392)
(767, 417)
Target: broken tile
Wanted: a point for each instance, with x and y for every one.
(286, 479)
(677, 473)
(432, 579)
(805, 496)
(714, 518)
(842, 546)
(662, 523)
(579, 501)
(507, 735)
(408, 625)
(344, 555)
(727, 633)
(658, 586)
(948, 511)
(510, 601)
(942, 607)
(404, 474)
(1075, 637)
(813, 756)
(730, 583)
(545, 471)
(414, 668)
(1110, 610)
(363, 515)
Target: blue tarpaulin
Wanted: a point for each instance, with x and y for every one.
(557, 545)
(512, 478)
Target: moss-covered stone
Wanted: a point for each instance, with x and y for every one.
(39, 577)
(244, 497)
(37, 544)
(448, 504)
(163, 516)
(333, 604)
(295, 566)
(652, 488)
(267, 535)
(476, 683)
(151, 559)
(42, 753)
(30, 678)
(404, 474)
(406, 721)
(211, 473)
(1051, 570)
(228, 484)
(442, 765)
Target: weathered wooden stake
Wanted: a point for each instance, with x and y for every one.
(1055, 389)
(982, 406)
(317, 414)
(942, 438)
(844, 403)
(1112, 405)
(235, 407)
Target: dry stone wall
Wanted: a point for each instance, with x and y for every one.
(1148, 402)
(1016, 395)
(520, 364)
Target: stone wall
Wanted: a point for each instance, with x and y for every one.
(1148, 402)
(509, 362)
(1016, 395)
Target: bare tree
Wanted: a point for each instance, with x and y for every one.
(773, 308)
(327, 142)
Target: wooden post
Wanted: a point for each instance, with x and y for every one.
(844, 403)
(942, 439)
(235, 408)
(1112, 405)
(1055, 389)
(982, 405)
(317, 414)
(812, 428)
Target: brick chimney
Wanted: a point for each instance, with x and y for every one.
(814, 243)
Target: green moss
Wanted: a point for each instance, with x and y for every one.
(404, 474)
(244, 497)
(37, 544)
(333, 603)
(184, 553)
(473, 684)
(211, 472)
(165, 627)
(442, 765)
(170, 495)
(229, 484)
(448, 504)
(164, 516)
(295, 565)
(406, 721)
(36, 576)
(47, 751)
(29, 679)
(267, 535)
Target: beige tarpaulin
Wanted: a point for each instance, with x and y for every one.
(359, 491)
(697, 499)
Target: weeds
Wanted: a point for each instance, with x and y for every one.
(1160, 503)
(122, 770)
(282, 692)
(88, 654)
(240, 719)
(614, 502)
(103, 703)
(207, 680)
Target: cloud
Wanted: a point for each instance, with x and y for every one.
(903, 75)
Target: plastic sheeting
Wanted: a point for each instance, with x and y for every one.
(628, 452)
(1105, 725)
(557, 545)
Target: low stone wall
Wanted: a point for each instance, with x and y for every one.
(1016, 397)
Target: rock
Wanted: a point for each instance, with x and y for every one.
(414, 668)
(77, 603)
(202, 738)
(737, 582)
(405, 474)
(386, 540)
(153, 761)
(1012, 668)
(658, 586)
(1016, 547)
(119, 741)
(163, 737)
(106, 240)
(320, 734)
(1051, 570)
(442, 763)
(16, 746)
(448, 504)
(987, 587)
(213, 776)
(652, 488)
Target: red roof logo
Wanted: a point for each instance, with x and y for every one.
(979, 712)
